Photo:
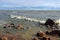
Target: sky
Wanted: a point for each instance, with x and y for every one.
(30, 4)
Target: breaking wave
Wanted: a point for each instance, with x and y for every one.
(32, 19)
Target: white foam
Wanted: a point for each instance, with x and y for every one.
(58, 21)
(32, 19)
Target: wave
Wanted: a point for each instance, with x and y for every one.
(26, 18)
(33, 19)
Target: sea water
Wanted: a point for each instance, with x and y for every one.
(42, 15)
(37, 14)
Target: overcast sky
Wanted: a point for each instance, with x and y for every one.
(47, 4)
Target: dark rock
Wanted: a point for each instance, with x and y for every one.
(4, 27)
(49, 22)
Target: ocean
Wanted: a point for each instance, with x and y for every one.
(37, 14)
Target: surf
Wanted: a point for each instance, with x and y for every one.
(33, 19)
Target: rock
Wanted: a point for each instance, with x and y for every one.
(4, 27)
(4, 38)
(49, 22)
(29, 27)
(35, 38)
(40, 34)
(20, 27)
(0, 38)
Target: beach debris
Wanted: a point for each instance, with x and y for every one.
(12, 25)
(0, 38)
(35, 38)
(4, 38)
(4, 27)
(9, 25)
(41, 38)
(11, 37)
(29, 27)
(40, 34)
(20, 27)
